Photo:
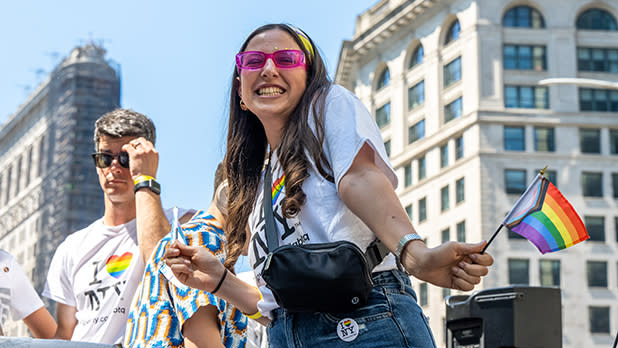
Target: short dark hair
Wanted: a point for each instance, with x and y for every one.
(121, 123)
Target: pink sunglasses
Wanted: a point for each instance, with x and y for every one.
(283, 59)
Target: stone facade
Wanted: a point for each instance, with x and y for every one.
(472, 108)
(48, 184)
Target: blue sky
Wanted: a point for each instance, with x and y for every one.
(176, 63)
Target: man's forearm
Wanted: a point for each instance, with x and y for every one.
(152, 225)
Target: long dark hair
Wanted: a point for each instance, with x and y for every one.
(246, 147)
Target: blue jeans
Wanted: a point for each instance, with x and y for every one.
(392, 318)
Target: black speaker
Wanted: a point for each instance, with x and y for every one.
(510, 317)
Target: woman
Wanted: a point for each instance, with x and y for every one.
(331, 181)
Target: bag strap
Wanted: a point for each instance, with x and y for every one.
(272, 240)
(375, 253)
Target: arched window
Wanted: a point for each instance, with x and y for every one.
(417, 56)
(596, 19)
(523, 17)
(385, 77)
(453, 32)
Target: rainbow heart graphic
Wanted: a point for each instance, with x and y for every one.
(116, 265)
(347, 322)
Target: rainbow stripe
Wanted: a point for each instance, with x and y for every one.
(117, 264)
(544, 217)
(277, 188)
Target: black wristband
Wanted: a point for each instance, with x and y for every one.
(220, 282)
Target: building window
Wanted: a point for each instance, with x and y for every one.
(446, 235)
(549, 271)
(446, 292)
(416, 131)
(28, 166)
(597, 59)
(514, 139)
(423, 294)
(461, 232)
(383, 115)
(387, 147)
(41, 161)
(444, 198)
(515, 181)
(519, 271)
(444, 155)
(526, 97)
(524, 57)
(384, 79)
(422, 209)
(590, 140)
(409, 211)
(615, 230)
(613, 141)
(417, 56)
(592, 184)
(595, 226)
(422, 168)
(408, 175)
(523, 17)
(416, 95)
(551, 175)
(459, 147)
(9, 183)
(544, 139)
(18, 177)
(460, 194)
(597, 273)
(596, 19)
(453, 32)
(452, 72)
(599, 319)
(594, 99)
(453, 110)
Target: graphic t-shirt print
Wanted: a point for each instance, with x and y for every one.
(107, 280)
(289, 230)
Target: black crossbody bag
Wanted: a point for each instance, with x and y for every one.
(322, 277)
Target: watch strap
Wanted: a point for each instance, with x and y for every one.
(151, 184)
(403, 242)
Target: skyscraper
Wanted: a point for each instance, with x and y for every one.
(48, 184)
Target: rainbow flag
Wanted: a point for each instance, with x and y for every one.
(544, 217)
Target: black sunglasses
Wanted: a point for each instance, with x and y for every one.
(104, 160)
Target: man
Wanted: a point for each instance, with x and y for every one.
(95, 271)
(18, 297)
(166, 313)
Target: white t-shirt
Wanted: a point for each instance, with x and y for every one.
(97, 270)
(348, 125)
(17, 296)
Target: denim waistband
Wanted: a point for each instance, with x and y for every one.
(390, 276)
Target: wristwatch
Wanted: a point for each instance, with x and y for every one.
(151, 184)
(403, 242)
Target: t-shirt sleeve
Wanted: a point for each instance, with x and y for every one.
(24, 299)
(348, 125)
(58, 286)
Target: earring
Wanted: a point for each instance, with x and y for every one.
(243, 106)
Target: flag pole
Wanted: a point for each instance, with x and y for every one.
(492, 238)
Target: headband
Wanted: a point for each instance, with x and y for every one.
(305, 40)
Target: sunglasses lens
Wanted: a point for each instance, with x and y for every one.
(287, 58)
(251, 60)
(102, 160)
(123, 159)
